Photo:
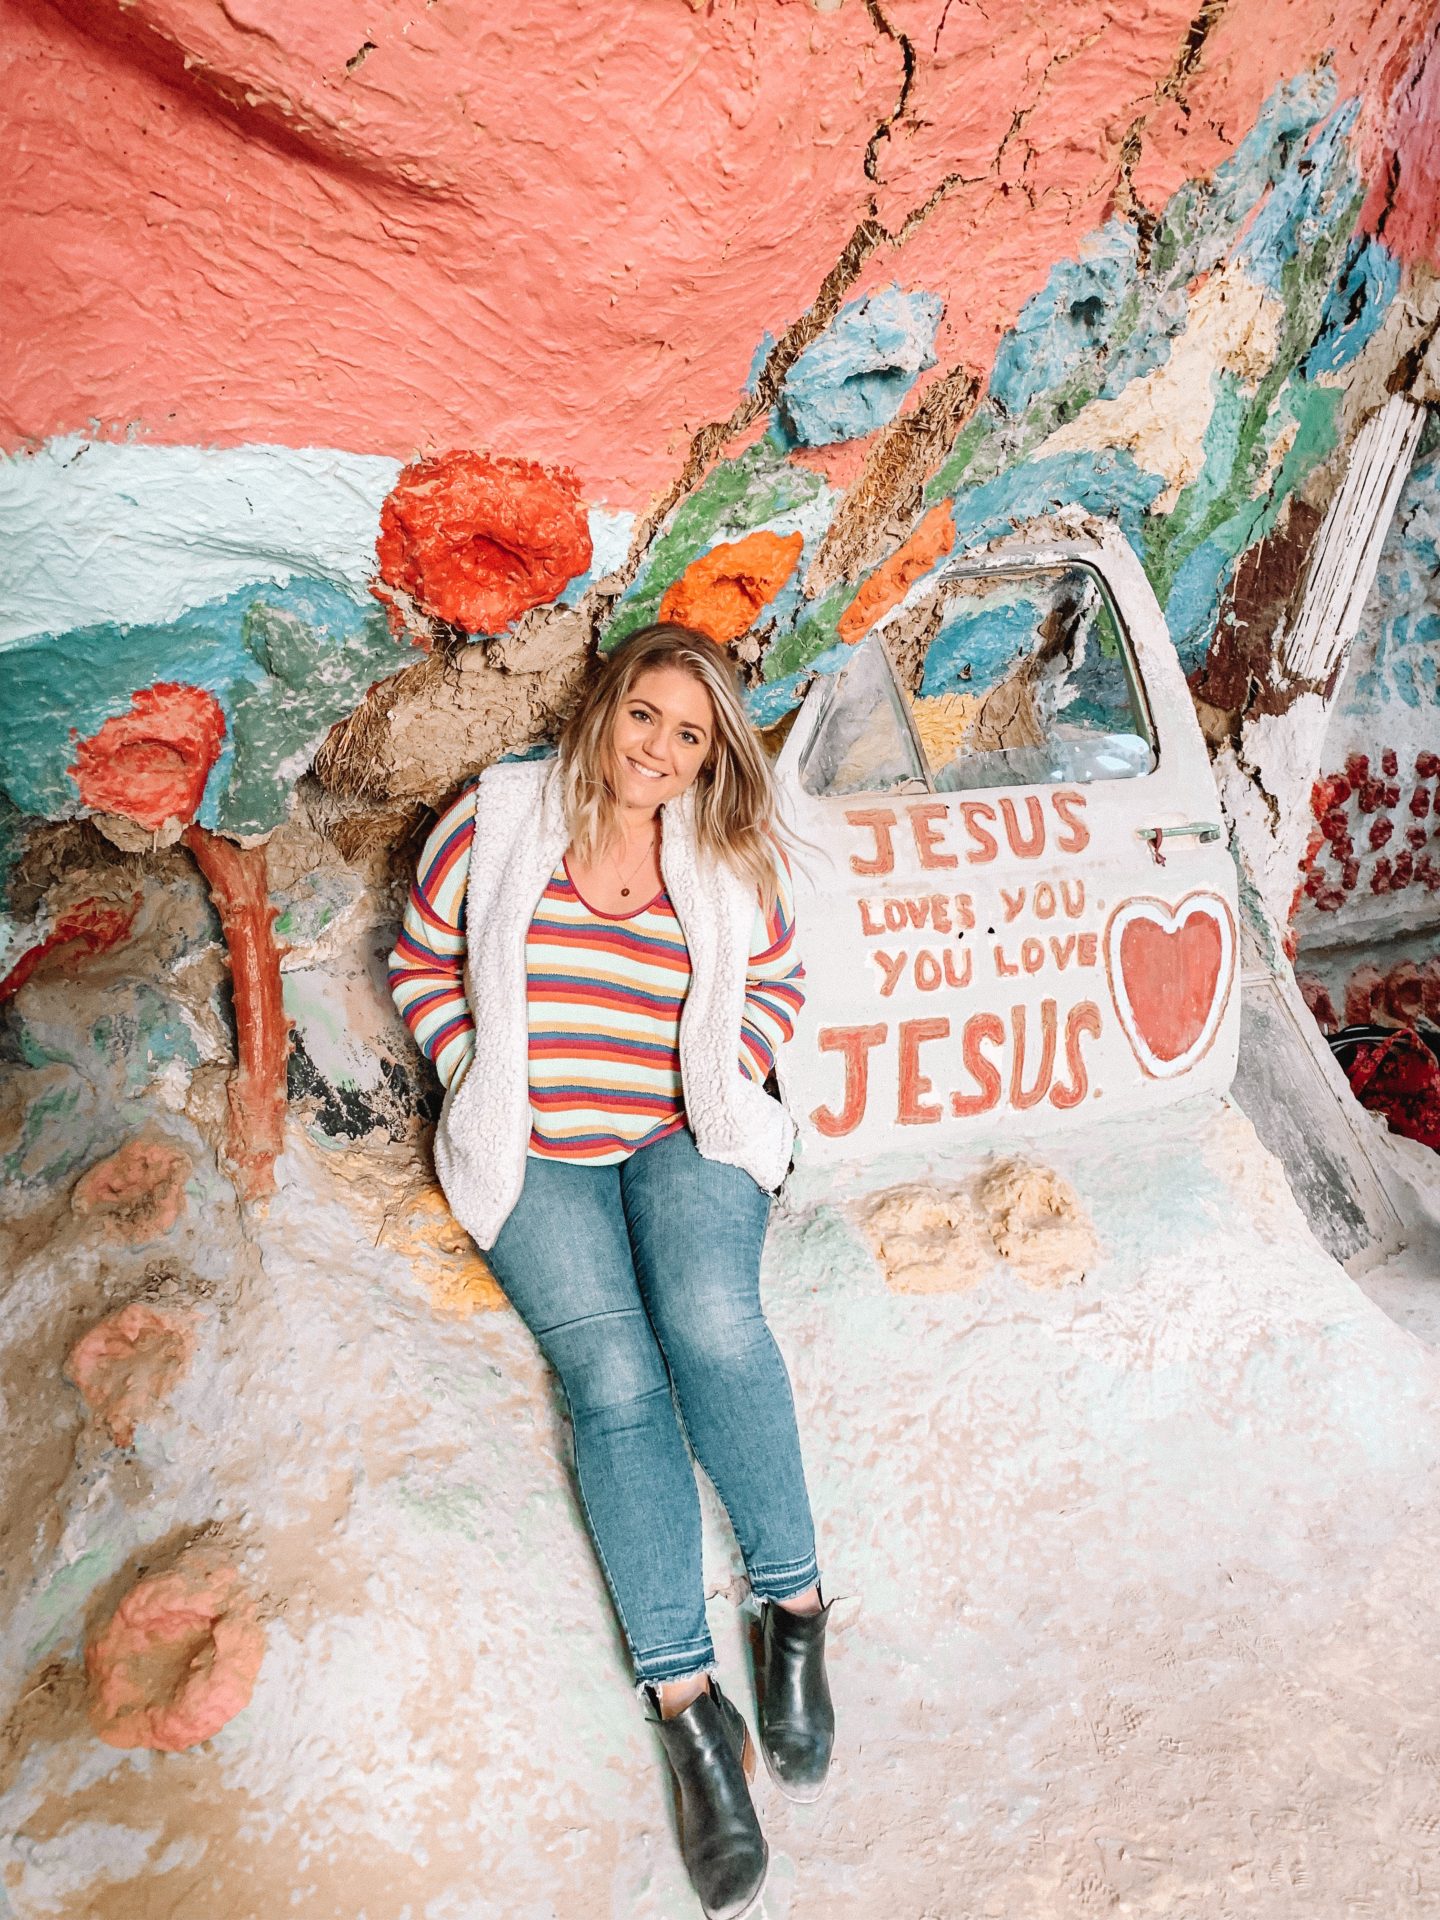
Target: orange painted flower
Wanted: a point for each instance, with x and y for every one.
(151, 764)
(723, 593)
(477, 540)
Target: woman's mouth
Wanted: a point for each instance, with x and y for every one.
(646, 773)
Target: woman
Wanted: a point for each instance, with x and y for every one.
(620, 921)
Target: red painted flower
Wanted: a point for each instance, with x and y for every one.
(151, 764)
(477, 540)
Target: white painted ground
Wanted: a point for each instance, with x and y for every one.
(1141, 1577)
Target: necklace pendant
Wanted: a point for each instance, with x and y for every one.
(624, 893)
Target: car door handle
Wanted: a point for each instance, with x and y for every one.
(1205, 831)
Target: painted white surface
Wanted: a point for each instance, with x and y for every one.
(97, 531)
(1134, 1569)
(968, 972)
(1347, 546)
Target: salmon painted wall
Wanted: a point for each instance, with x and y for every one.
(562, 233)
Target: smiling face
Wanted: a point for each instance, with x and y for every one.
(660, 737)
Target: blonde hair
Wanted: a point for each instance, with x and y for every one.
(735, 798)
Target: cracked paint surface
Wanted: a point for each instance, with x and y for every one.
(503, 291)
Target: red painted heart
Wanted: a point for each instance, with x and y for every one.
(1170, 971)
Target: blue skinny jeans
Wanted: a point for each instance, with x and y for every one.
(641, 1283)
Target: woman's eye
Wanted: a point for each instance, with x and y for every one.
(638, 713)
(690, 739)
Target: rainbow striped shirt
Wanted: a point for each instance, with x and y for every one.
(604, 993)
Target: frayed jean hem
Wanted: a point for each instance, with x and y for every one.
(675, 1669)
(680, 1660)
(784, 1583)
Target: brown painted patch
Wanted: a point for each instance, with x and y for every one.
(1239, 671)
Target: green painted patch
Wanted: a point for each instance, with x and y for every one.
(59, 1610)
(815, 634)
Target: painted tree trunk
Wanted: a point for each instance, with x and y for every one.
(238, 885)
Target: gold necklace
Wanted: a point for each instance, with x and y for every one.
(625, 877)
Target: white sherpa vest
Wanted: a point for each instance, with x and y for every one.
(484, 1130)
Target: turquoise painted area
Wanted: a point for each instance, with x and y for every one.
(855, 377)
(973, 648)
(1203, 219)
(131, 1042)
(1354, 307)
(1396, 658)
(284, 663)
(1105, 482)
(773, 699)
(757, 361)
(610, 543)
(1301, 208)
(1103, 318)
(1071, 322)
(145, 1033)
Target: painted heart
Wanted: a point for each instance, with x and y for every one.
(1170, 971)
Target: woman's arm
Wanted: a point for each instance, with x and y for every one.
(773, 993)
(427, 967)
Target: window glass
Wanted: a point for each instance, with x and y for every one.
(865, 741)
(1027, 680)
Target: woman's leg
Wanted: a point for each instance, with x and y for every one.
(563, 1259)
(696, 1231)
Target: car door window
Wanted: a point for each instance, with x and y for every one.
(1028, 680)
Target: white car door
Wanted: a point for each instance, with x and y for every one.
(1016, 907)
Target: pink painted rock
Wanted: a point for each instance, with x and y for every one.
(138, 1193)
(150, 765)
(178, 1658)
(127, 1366)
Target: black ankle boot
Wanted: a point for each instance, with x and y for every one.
(720, 1839)
(797, 1721)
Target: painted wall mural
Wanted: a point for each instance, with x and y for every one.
(362, 511)
(371, 369)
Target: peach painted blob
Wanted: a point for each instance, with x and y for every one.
(128, 1364)
(151, 764)
(136, 1194)
(177, 1660)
